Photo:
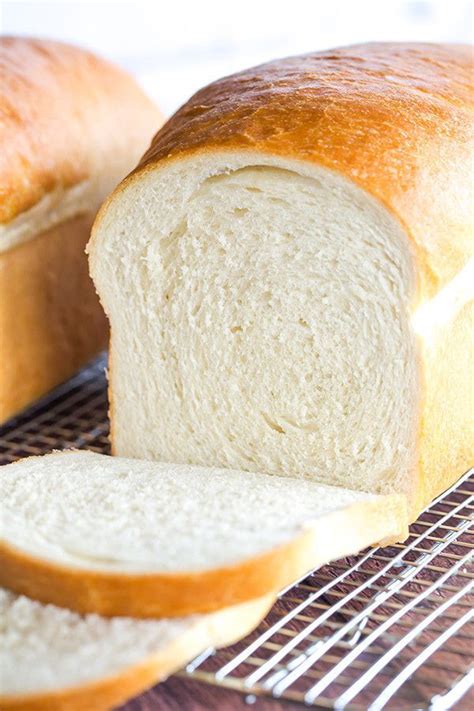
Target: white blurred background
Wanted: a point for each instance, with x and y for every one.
(176, 46)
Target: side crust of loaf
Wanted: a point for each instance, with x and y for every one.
(51, 321)
(341, 533)
(446, 440)
(220, 629)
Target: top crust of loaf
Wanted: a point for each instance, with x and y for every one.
(394, 118)
(66, 116)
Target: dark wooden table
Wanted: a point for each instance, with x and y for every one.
(179, 694)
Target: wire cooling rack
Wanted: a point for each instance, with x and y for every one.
(391, 628)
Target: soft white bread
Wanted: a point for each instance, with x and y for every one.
(55, 659)
(127, 537)
(71, 126)
(279, 274)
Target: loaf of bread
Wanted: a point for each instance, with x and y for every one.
(56, 660)
(286, 274)
(71, 127)
(147, 539)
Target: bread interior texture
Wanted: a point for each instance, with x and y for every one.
(86, 510)
(260, 311)
(53, 658)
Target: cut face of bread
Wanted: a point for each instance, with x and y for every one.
(127, 537)
(260, 314)
(55, 659)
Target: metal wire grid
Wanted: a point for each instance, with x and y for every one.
(392, 628)
(74, 415)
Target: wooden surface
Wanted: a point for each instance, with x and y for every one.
(179, 694)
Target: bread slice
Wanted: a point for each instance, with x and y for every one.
(127, 537)
(55, 659)
(279, 273)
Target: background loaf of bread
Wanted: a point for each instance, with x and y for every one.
(71, 126)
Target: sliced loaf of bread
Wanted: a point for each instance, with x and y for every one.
(55, 659)
(288, 274)
(147, 539)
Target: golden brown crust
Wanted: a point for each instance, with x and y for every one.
(65, 115)
(397, 119)
(225, 627)
(175, 595)
(51, 321)
(99, 696)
